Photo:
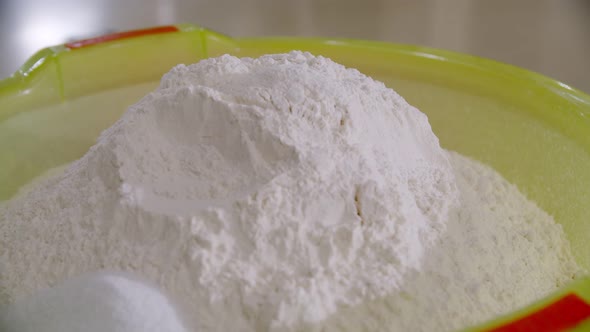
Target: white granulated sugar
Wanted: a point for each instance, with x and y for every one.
(286, 193)
(94, 303)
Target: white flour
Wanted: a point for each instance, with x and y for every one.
(500, 253)
(274, 193)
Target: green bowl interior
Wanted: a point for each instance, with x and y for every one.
(533, 130)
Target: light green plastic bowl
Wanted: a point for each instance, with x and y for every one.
(533, 130)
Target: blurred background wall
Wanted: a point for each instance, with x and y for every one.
(548, 36)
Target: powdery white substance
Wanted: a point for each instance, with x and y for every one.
(94, 303)
(288, 193)
(270, 190)
(500, 253)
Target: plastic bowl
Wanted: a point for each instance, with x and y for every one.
(533, 130)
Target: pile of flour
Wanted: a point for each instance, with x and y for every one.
(285, 193)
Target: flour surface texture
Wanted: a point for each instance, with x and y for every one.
(285, 193)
